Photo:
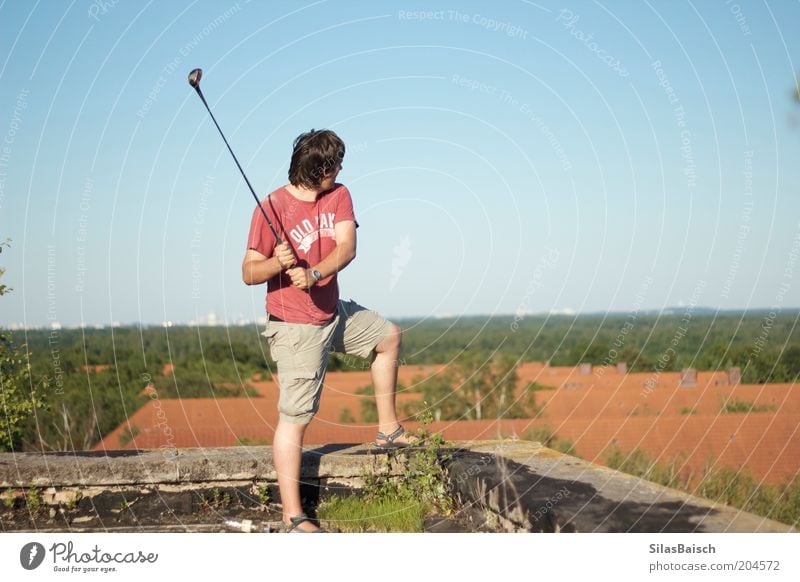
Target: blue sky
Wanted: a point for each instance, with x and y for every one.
(512, 157)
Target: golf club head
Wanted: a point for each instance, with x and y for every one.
(194, 77)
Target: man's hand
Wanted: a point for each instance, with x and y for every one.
(285, 256)
(301, 278)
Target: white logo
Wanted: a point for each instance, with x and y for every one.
(401, 258)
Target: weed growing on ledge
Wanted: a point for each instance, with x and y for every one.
(262, 494)
(216, 500)
(72, 504)
(8, 499)
(33, 500)
(398, 503)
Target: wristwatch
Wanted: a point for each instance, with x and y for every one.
(316, 274)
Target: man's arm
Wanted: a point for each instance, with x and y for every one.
(338, 259)
(257, 269)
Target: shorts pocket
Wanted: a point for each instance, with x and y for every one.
(270, 331)
(281, 341)
(300, 391)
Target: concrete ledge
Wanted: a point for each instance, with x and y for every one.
(179, 466)
(517, 485)
(532, 488)
(170, 490)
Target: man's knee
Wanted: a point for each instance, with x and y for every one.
(394, 338)
(292, 417)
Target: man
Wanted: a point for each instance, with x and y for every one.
(306, 320)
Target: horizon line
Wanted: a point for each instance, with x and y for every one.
(203, 322)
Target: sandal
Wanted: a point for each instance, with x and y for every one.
(297, 520)
(390, 439)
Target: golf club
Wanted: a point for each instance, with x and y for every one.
(194, 81)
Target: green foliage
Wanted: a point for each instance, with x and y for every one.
(351, 514)
(638, 463)
(346, 417)
(369, 411)
(425, 480)
(399, 503)
(246, 441)
(742, 490)
(98, 376)
(735, 487)
(3, 287)
(642, 410)
(214, 500)
(72, 504)
(204, 377)
(20, 395)
(130, 433)
(83, 404)
(262, 494)
(547, 436)
(89, 406)
(440, 390)
(473, 388)
(536, 387)
(730, 406)
(33, 499)
(712, 341)
(347, 363)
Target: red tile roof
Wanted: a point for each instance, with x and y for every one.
(594, 411)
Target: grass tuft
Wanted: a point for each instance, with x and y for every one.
(351, 514)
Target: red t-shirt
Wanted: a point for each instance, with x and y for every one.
(308, 227)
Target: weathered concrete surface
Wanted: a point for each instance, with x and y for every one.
(87, 468)
(533, 488)
(521, 485)
(193, 490)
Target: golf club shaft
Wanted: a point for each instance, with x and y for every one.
(278, 239)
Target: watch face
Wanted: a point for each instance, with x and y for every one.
(316, 274)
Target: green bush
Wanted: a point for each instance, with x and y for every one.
(20, 394)
(735, 487)
(730, 406)
(547, 436)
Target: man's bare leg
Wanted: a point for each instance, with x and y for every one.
(287, 450)
(384, 381)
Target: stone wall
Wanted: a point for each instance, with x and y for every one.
(519, 485)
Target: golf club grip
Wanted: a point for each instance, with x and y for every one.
(238, 165)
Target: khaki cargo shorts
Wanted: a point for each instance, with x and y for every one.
(301, 353)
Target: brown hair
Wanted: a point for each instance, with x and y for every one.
(315, 154)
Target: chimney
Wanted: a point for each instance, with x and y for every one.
(734, 376)
(585, 369)
(622, 367)
(688, 378)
